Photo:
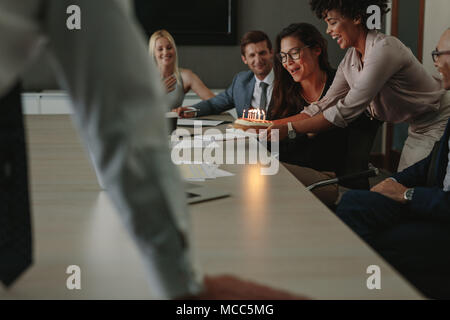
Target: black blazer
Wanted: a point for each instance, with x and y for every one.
(429, 201)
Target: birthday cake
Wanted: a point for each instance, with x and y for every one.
(252, 119)
(246, 124)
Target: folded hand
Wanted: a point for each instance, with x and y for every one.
(169, 83)
(182, 114)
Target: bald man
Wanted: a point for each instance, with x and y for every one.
(406, 218)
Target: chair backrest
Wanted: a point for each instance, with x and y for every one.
(360, 138)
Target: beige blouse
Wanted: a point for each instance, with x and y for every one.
(391, 83)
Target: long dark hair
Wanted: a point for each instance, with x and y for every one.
(286, 96)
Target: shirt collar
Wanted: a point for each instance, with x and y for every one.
(370, 42)
(268, 79)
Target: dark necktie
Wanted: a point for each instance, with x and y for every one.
(15, 224)
(263, 101)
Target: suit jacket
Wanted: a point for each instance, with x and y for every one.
(427, 177)
(238, 95)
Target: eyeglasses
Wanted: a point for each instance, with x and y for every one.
(435, 54)
(294, 54)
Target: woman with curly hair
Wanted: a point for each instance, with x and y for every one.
(303, 75)
(378, 74)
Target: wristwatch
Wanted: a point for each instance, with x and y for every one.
(408, 195)
(291, 132)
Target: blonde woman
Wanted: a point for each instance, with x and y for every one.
(177, 81)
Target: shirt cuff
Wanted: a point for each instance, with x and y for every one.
(393, 179)
(335, 117)
(311, 110)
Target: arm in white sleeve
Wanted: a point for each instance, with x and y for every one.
(343, 103)
(383, 62)
(119, 111)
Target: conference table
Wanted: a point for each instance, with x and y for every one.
(269, 229)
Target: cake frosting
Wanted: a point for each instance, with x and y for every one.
(246, 124)
(257, 123)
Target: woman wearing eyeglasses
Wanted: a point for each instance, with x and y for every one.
(379, 74)
(303, 72)
(176, 81)
(303, 75)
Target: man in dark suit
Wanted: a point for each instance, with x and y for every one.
(406, 218)
(252, 88)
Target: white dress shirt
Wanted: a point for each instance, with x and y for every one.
(257, 91)
(119, 109)
(447, 176)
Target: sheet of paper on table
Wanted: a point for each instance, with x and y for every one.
(190, 143)
(195, 171)
(230, 134)
(203, 123)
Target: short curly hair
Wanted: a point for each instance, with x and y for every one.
(348, 8)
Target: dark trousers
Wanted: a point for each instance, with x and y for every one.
(418, 248)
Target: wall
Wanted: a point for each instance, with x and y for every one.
(437, 19)
(408, 31)
(216, 65)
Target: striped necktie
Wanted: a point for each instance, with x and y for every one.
(263, 101)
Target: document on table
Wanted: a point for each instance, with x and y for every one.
(188, 143)
(203, 123)
(230, 134)
(194, 171)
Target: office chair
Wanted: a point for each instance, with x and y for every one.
(354, 171)
(371, 172)
(360, 139)
(345, 179)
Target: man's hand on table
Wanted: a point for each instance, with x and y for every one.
(182, 114)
